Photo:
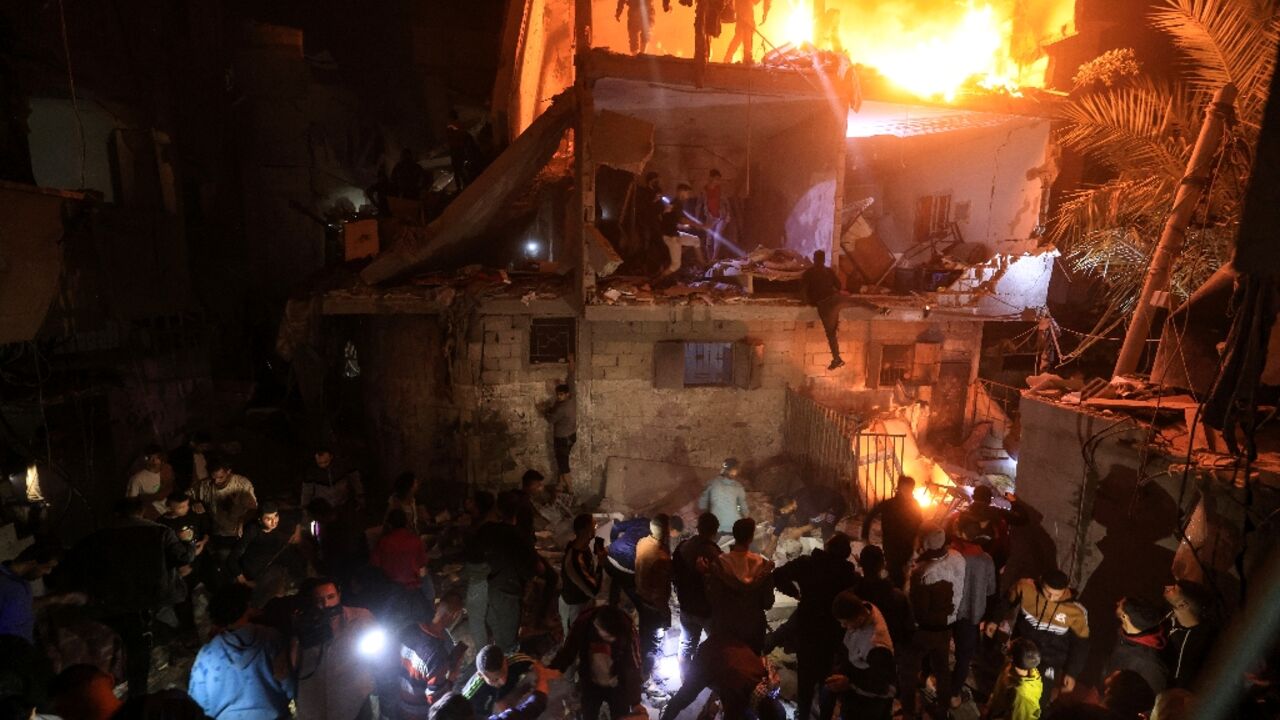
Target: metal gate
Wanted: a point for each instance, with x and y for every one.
(829, 448)
(878, 458)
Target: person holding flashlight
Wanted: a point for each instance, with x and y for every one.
(334, 650)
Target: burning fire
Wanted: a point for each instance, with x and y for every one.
(934, 49)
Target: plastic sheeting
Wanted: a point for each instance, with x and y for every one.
(482, 202)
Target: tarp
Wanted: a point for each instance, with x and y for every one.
(30, 257)
(474, 211)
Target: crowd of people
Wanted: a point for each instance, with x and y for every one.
(310, 614)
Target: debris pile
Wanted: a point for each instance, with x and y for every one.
(776, 264)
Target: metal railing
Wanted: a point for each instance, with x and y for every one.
(830, 449)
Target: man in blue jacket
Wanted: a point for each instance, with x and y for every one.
(243, 672)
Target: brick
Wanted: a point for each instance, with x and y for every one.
(511, 363)
(498, 350)
(599, 360)
(495, 377)
(496, 323)
(492, 362)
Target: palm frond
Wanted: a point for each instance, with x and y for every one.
(1137, 127)
(1227, 41)
(1120, 203)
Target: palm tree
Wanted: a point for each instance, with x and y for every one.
(1142, 131)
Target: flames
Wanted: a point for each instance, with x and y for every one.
(935, 49)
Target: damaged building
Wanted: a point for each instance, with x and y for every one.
(462, 328)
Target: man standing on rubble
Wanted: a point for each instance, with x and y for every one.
(712, 210)
(639, 21)
(725, 497)
(677, 233)
(744, 33)
(900, 518)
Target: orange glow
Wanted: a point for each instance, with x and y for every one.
(935, 54)
(923, 497)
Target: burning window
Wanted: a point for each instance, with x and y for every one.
(551, 340)
(895, 363)
(708, 363)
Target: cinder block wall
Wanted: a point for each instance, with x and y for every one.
(621, 414)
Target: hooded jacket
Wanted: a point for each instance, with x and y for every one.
(1142, 653)
(1187, 649)
(936, 588)
(740, 590)
(1060, 628)
(1016, 697)
(583, 642)
(232, 677)
(815, 580)
(979, 581)
(726, 499)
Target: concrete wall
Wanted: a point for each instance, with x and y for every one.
(622, 414)
(1105, 510)
(994, 170)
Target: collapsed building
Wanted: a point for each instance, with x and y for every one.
(931, 212)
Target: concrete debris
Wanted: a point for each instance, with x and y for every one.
(777, 264)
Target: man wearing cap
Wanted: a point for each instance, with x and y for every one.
(1046, 612)
(725, 497)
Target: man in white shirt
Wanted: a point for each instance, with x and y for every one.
(228, 499)
(153, 483)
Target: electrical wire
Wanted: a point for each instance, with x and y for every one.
(71, 85)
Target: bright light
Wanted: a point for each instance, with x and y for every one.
(532, 247)
(923, 497)
(934, 56)
(372, 643)
(799, 23)
(33, 484)
(669, 670)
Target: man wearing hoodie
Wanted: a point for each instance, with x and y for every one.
(243, 672)
(603, 644)
(865, 672)
(740, 588)
(979, 587)
(690, 564)
(653, 583)
(1046, 612)
(936, 590)
(1140, 644)
(725, 497)
(1191, 631)
(815, 580)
